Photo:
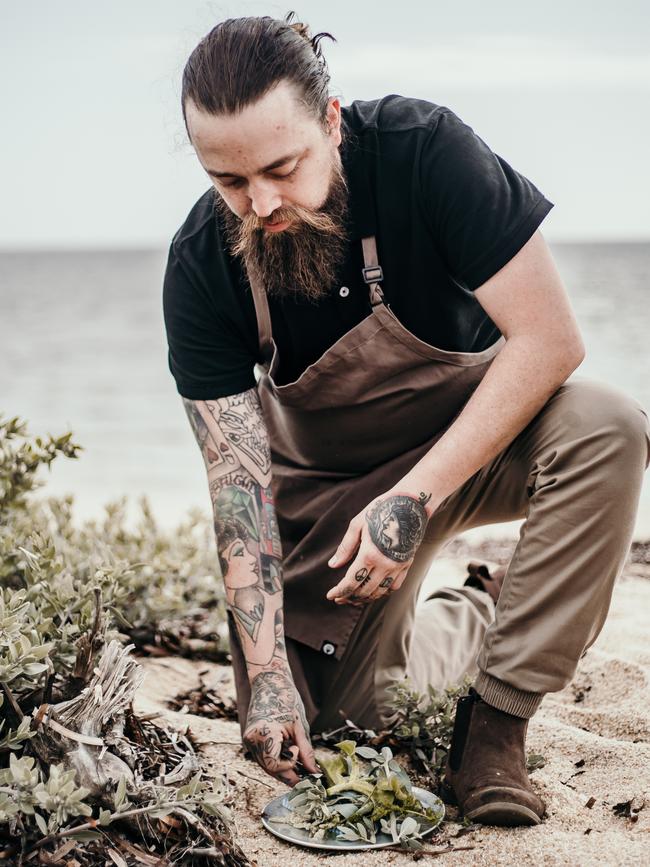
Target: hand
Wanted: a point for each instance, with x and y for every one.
(385, 538)
(277, 731)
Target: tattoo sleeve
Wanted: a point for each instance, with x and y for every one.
(232, 436)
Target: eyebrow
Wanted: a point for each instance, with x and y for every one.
(274, 165)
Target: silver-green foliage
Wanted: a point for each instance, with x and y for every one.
(362, 792)
(53, 571)
(62, 584)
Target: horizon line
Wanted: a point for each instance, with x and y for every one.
(39, 249)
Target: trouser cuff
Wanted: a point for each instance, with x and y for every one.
(507, 698)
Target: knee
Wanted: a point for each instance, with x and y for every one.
(598, 410)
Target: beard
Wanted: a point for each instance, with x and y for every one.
(303, 260)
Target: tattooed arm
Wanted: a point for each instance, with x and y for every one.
(234, 444)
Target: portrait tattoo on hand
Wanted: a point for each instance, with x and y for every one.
(397, 526)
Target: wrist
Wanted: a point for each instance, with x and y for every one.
(278, 665)
(419, 489)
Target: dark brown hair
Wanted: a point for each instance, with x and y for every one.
(241, 59)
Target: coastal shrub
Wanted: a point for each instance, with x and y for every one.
(69, 595)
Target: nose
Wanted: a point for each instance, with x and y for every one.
(264, 198)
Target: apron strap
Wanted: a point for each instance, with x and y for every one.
(263, 319)
(372, 273)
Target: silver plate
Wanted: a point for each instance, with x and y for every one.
(280, 807)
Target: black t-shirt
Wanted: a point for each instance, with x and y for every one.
(447, 213)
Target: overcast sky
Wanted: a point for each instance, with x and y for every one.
(94, 152)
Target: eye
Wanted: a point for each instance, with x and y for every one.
(237, 182)
(288, 175)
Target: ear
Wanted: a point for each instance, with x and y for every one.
(333, 116)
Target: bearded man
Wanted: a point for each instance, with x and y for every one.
(374, 348)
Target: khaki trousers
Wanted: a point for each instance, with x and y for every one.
(575, 474)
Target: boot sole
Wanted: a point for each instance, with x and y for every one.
(503, 813)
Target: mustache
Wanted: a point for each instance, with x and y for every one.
(251, 227)
(304, 259)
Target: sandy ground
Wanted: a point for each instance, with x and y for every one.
(594, 736)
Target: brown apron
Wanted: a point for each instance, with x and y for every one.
(348, 429)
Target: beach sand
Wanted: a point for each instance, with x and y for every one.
(594, 735)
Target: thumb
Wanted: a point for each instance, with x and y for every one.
(348, 546)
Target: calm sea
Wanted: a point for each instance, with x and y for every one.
(83, 349)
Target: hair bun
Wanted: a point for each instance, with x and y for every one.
(302, 30)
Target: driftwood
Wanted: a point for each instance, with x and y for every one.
(97, 734)
(85, 727)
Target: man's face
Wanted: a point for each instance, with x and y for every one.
(272, 154)
(280, 188)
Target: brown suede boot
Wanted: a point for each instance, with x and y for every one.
(486, 766)
(482, 578)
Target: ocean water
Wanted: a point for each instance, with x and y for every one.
(83, 349)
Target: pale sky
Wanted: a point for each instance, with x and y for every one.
(94, 152)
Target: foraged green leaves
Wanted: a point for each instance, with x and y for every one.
(360, 800)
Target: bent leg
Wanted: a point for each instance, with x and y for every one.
(448, 633)
(575, 473)
(435, 644)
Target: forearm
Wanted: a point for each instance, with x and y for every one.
(257, 607)
(516, 386)
(234, 445)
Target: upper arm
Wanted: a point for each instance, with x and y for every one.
(211, 340)
(480, 210)
(232, 436)
(527, 297)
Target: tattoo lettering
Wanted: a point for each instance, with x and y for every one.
(237, 480)
(397, 526)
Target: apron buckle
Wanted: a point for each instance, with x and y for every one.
(373, 274)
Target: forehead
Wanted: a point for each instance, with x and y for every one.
(262, 132)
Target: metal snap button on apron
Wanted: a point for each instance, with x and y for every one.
(344, 291)
(328, 648)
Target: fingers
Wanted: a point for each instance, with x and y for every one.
(267, 748)
(306, 753)
(358, 583)
(349, 544)
(367, 583)
(388, 585)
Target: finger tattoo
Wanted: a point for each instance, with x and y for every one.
(362, 576)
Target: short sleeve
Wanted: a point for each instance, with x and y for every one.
(481, 210)
(207, 352)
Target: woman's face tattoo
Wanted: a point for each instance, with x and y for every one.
(397, 526)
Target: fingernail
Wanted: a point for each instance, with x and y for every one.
(332, 560)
